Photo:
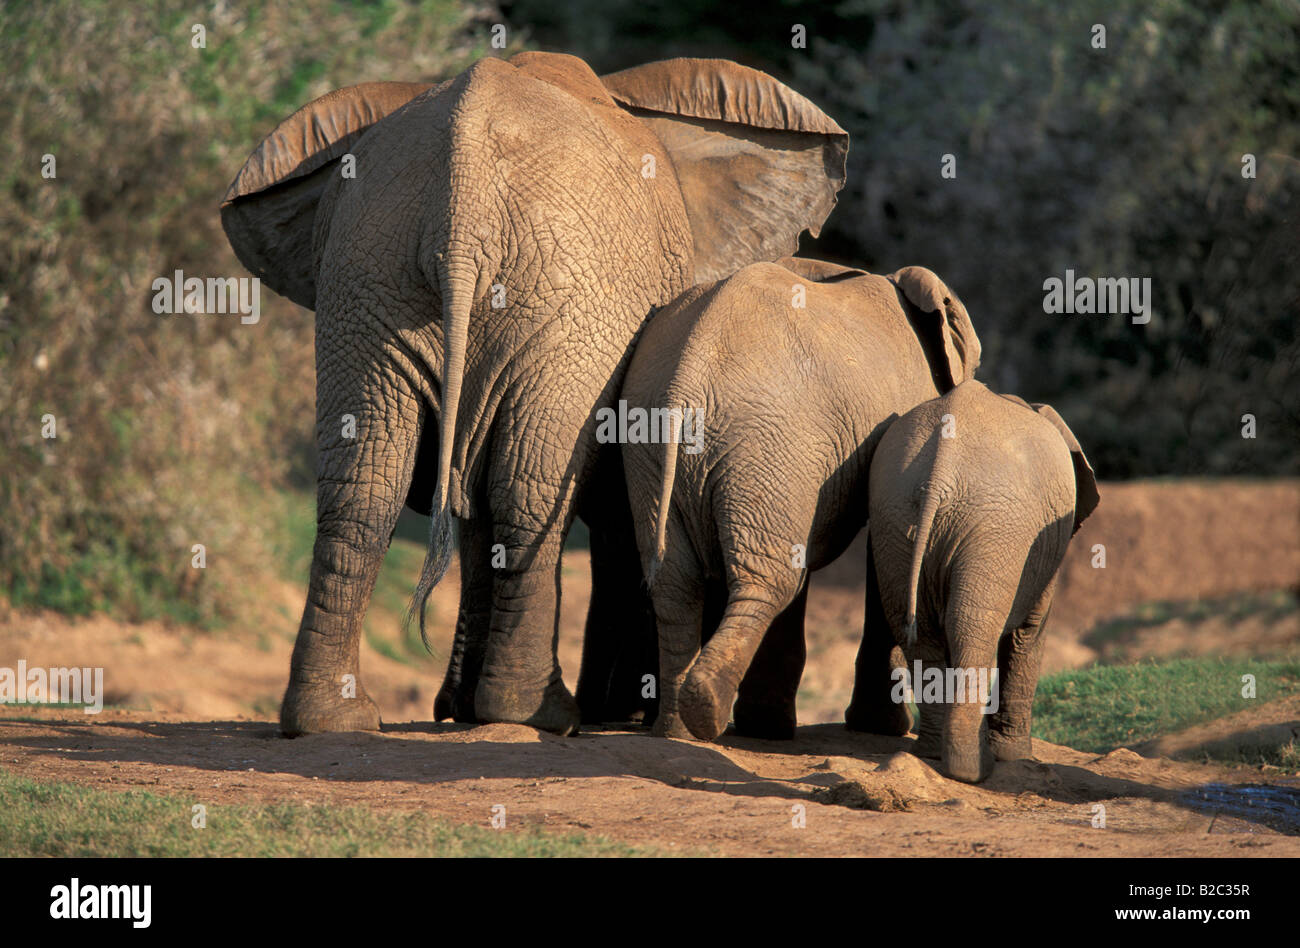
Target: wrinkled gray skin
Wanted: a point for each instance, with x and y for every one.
(966, 535)
(478, 285)
(794, 401)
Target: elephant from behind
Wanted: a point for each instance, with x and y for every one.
(974, 499)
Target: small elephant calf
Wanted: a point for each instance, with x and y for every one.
(974, 497)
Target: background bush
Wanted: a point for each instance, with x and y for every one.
(172, 430)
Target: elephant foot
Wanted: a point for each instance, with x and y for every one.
(669, 724)
(321, 710)
(887, 717)
(770, 722)
(969, 765)
(455, 704)
(1011, 747)
(703, 710)
(928, 744)
(503, 702)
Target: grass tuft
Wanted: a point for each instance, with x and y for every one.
(1104, 707)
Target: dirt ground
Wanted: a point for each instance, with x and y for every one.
(193, 715)
(859, 795)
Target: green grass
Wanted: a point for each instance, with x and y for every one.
(60, 819)
(294, 534)
(1104, 707)
(1287, 757)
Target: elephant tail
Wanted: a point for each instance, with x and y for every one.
(458, 279)
(925, 521)
(665, 496)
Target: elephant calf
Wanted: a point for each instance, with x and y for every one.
(974, 497)
(783, 378)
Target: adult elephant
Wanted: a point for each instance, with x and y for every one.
(485, 250)
(785, 376)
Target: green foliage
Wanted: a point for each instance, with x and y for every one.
(60, 819)
(105, 572)
(386, 632)
(1104, 707)
(172, 430)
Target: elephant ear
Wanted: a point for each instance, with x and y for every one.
(270, 209)
(757, 162)
(1086, 495)
(942, 323)
(819, 271)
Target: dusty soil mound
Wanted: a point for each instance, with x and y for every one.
(857, 795)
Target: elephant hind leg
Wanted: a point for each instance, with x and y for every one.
(765, 704)
(362, 480)
(325, 692)
(680, 595)
(872, 708)
(714, 679)
(455, 699)
(1020, 656)
(521, 681)
(973, 625)
(933, 720)
(544, 454)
